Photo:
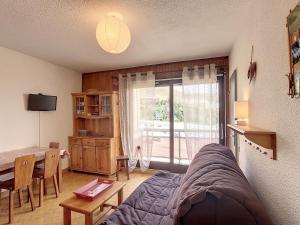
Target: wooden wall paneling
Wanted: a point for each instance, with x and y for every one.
(94, 81)
(103, 80)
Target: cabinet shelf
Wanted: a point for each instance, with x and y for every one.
(260, 139)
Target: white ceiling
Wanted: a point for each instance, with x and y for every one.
(63, 31)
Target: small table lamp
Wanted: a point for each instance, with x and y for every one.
(241, 112)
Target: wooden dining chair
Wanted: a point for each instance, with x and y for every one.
(23, 171)
(42, 166)
(49, 171)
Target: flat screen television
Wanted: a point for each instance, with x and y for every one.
(41, 102)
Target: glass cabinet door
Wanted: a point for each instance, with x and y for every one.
(106, 105)
(80, 105)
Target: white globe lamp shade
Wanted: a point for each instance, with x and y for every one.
(113, 34)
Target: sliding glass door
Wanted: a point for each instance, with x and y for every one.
(172, 134)
(161, 130)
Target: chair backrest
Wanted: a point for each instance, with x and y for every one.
(51, 162)
(54, 145)
(24, 166)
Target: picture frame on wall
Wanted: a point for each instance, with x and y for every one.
(293, 26)
(297, 82)
(295, 51)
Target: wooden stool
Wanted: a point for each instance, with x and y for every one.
(122, 159)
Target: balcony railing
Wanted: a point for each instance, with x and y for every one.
(161, 145)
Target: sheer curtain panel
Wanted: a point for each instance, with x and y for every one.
(137, 106)
(200, 107)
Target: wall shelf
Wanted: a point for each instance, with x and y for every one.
(261, 140)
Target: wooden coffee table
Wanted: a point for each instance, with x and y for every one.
(88, 208)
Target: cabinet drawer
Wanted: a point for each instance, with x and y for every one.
(75, 141)
(103, 143)
(88, 142)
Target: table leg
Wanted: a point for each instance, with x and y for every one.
(67, 216)
(89, 219)
(127, 169)
(118, 170)
(120, 197)
(59, 176)
(21, 203)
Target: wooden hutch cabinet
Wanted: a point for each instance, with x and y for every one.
(96, 136)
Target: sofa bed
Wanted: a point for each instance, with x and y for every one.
(213, 191)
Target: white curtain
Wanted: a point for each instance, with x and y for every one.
(200, 107)
(137, 106)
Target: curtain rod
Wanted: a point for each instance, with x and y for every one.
(172, 71)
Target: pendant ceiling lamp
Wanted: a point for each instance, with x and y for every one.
(113, 34)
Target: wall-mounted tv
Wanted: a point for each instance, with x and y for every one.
(41, 102)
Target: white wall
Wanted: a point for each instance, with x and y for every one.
(276, 182)
(20, 75)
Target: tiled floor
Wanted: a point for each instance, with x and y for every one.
(51, 213)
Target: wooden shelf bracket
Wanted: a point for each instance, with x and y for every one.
(261, 140)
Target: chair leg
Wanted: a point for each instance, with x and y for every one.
(28, 197)
(41, 199)
(30, 194)
(11, 207)
(55, 185)
(117, 174)
(21, 203)
(45, 187)
(127, 169)
(118, 170)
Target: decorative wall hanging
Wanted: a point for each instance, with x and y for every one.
(293, 26)
(252, 68)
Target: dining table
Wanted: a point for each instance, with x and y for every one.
(7, 160)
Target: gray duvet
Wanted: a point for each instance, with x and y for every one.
(214, 191)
